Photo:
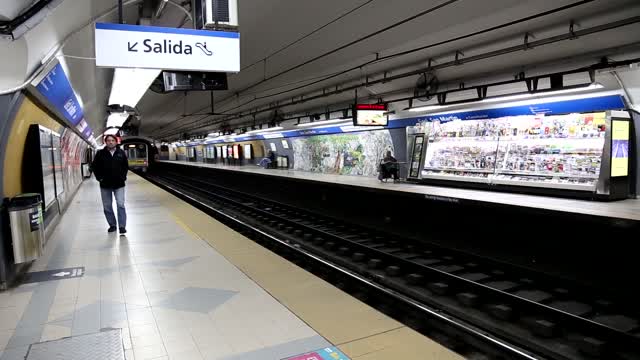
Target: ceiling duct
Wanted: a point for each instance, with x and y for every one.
(29, 19)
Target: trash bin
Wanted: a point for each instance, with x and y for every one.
(27, 228)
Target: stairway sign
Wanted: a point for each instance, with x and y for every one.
(152, 47)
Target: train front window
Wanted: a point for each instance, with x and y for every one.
(142, 151)
(137, 153)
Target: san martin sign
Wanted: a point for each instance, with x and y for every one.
(151, 47)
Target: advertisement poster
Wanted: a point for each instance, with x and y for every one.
(343, 154)
(619, 148)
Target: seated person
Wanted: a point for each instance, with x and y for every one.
(389, 167)
(269, 161)
(264, 162)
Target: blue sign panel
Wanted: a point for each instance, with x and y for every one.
(612, 102)
(87, 132)
(84, 129)
(56, 88)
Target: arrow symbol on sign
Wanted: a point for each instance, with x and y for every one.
(62, 273)
(132, 48)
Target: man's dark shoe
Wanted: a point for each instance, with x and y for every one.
(123, 230)
(111, 229)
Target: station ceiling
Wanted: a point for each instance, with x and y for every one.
(293, 48)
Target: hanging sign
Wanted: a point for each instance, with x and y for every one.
(56, 89)
(152, 47)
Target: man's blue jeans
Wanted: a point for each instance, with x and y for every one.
(107, 206)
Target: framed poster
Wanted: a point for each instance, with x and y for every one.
(247, 152)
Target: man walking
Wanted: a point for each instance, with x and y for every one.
(110, 167)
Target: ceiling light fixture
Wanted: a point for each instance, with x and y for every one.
(265, 130)
(536, 95)
(324, 122)
(129, 85)
(117, 119)
(111, 131)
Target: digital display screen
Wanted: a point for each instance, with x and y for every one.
(619, 148)
(247, 152)
(370, 115)
(224, 152)
(236, 151)
(218, 151)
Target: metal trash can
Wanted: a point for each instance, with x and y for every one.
(27, 228)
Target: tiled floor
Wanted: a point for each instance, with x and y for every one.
(173, 295)
(360, 331)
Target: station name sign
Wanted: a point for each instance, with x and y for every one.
(151, 47)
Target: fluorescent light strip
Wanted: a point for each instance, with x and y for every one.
(316, 123)
(527, 102)
(117, 119)
(541, 95)
(260, 131)
(112, 131)
(350, 122)
(129, 85)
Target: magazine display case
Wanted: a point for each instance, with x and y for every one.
(571, 152)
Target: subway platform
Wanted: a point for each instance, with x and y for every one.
(627, 210)
(180, 285)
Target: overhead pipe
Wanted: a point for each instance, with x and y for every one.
(590, 69)
(7, 27)
(161, 5)
(60, 45)
(54, 50)
(181, 8)
(422, 48)
(460, 61)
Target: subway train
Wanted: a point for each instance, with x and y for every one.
(141, 153)
(138, 156)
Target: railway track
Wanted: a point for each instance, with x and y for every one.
(504, 311)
